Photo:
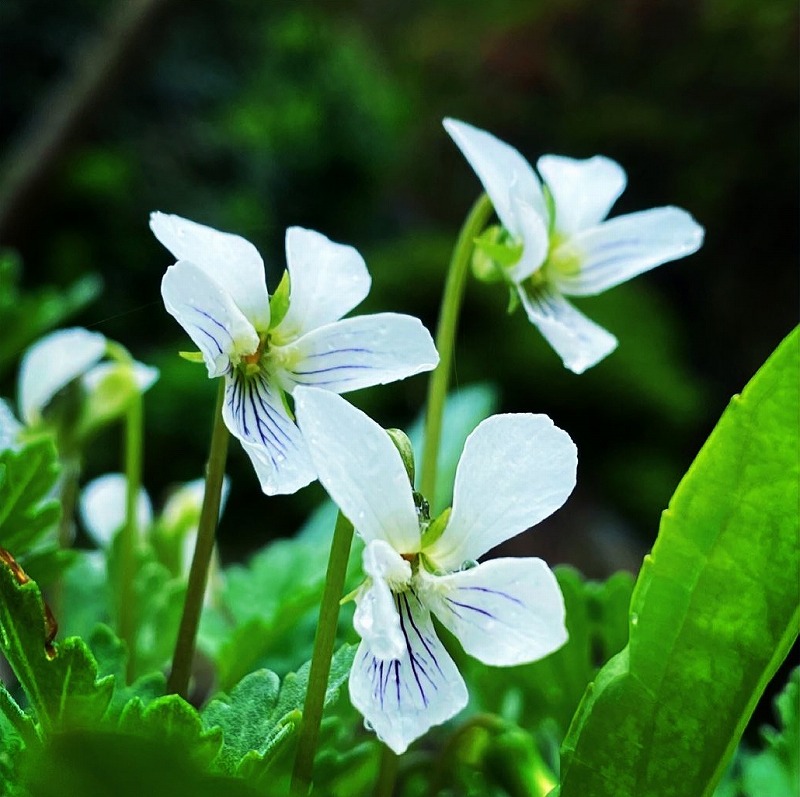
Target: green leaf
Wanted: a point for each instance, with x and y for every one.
(27, 478)
(61, 688)
(714, 611)
(261, 713)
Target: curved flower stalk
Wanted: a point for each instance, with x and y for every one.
(266, 347)
(515, 471)
(557, 243)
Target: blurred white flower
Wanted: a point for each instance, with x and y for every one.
(515, 471)
(265, 348)
(564, 248)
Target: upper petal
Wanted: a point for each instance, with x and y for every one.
(535, 239)
(357, 352)
(621, 248)
(231, 261)
(254, 412)
(578, 341)
(54, 362)
(583, 190)
(209, 315)
(401, 699)
(102, 507)
(500, 168)
(515, 471)
(360, 468)
(327, 281)
(504, 611)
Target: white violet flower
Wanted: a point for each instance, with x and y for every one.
(515, 471)
(565, 248)
(265, 349)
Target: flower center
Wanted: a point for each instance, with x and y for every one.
(252, 362)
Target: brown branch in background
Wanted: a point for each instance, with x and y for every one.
(31, 163)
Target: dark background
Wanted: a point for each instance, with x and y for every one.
(252, 116)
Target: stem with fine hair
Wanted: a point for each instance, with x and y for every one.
(321, 658)
(446, 337)
(129, 537)
(178, 682)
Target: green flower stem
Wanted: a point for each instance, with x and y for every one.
(129, 538)
(178, 682)
(445, 339)
(70, 476)
(321, 657)
(387, 773)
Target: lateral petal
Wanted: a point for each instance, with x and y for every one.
(228, 259)
(584, 191)
(401, 699)
(52, 363)
(516, 470)
(255, 414)
(209, 315)
(500, 168)
(504, 611)
(327, 281)
(578, 341)
(623, 247)
(360, 468)
(357, 352)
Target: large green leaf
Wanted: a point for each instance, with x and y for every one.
(27, 477)
(714, 611)
(60, 682)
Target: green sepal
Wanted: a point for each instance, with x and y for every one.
(513, 300)
(404, 447)
(714, 611)
(279, 301)
(494, 252)
(436, 528)
(192, 356)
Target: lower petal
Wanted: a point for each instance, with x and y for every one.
(504, 611)
(254, 413)
(401, 699)
(578, 341)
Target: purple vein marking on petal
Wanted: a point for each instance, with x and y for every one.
(213, 320)
(476, 609)
(489, 591)
(421, 637)
(265, 432)
(412, 657)
(338, 351)
(269, 410)
(397, 680)
(332, 368)
(209, 336)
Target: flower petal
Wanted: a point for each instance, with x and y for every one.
(403, 698)
(255, 414)
(583, 190)
(54, 362)
(504, 612)
(209, 316)
(535, 239)
(231, 261)
(376, 619)
(514, 472)
(621, 248)
(327, 281)
(357, 352)
(102, 508)
(578, 341)
(500, 168)
(360, 468)
(10, 427)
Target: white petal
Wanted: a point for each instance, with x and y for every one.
(54, 362)
(583, 190)
(102, 508)
(534, 236)
(402, 699)
(360, 468)
(376, 619)
(623, 247)
(10, 427)
(500, 169)
(327, 281)
(184, 504)
(357, 352)
(514, 472)
(504, 612)
(231, 261)
(209, 315)
(255, 414)
(578, 341)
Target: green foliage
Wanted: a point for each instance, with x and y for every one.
(61, 685)
(25, 316)
(27, 478)
(714, 611)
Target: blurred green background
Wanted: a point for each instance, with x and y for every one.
(253, 116)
